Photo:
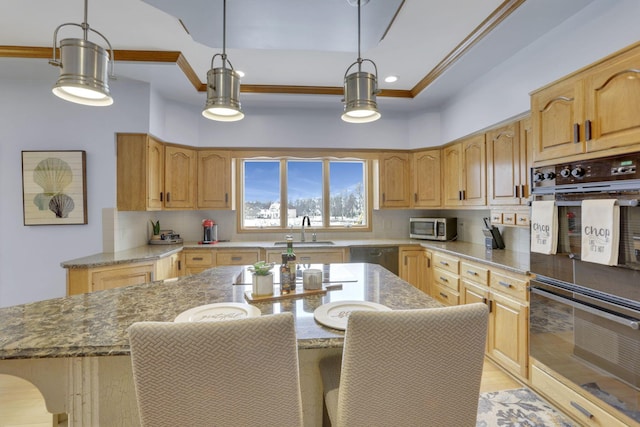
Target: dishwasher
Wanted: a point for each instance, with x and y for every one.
(386, 256)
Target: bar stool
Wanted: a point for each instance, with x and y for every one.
(231, 373)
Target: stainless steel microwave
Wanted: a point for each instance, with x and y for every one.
(433, 228)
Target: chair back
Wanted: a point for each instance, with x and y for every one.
(232, 373)
(413, 368)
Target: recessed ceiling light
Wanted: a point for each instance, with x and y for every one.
(391, 79)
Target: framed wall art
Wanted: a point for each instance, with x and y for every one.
(54, 190)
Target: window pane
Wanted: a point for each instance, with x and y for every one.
(261, 204)
(346, 186)
(304, 191)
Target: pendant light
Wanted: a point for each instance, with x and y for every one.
(83, 68)
(360, 89)
(223, 85)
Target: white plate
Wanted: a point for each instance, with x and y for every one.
(218, 312)
(335, 314)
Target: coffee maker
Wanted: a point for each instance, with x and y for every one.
(210, 231)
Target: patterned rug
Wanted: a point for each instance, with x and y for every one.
(518, 408)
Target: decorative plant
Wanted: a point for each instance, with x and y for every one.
(156, 227)
(261, 268)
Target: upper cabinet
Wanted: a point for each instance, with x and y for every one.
(152, 175)
(597, 109)
(394, 180)
(508, 163)
(214, 179)
(426, 179)
(464, 172)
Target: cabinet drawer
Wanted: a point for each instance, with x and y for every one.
(319, 257)
(522, 219)
(446, 262)
(446, 279)
(509, 285)
(237, 258)
(199, 259)
(570, 401)
(475, 273)
(509, 218)
(496, 217)
(445, 295)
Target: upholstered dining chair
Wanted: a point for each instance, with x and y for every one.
(408, 368)
(232, 373)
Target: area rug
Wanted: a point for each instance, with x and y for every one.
(518, 408)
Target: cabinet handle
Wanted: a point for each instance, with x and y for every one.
(197, 258)
(415, 197)
(587, 130)
(444, 295)
(428, 262)
(464, 195)
(236, 258)
(517, 191)
(405, 260)
(305, 258)
(383, 198)
(485, 301)
(168, 197)
(523, 190)
(226, 197)
(576, 133)
(471, 272)
(505, 284)
(179, 265)
(161, 196)
(443, 279)
(444, 263)
(582, 410)
(490, 306)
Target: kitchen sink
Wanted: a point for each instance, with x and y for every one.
(317, 243)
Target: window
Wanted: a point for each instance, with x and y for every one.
(278, 193)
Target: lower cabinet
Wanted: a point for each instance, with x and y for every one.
(169, 267)
(309, 256)
(82, 280)
(415, 267)
(445, 286)
(198, 260)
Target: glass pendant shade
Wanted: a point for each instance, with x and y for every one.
(223, 94)
(83, 73)
(360, 105)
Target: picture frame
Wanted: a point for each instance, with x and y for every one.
(54, 190)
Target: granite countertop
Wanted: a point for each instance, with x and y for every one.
(517, 262)
(95, 324)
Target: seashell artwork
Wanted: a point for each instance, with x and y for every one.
(53, 175)
(61, 205)
(42, 200)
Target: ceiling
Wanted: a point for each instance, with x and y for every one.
(294, 53)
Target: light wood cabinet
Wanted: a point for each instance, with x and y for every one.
(508, 165)
(214, 179)
(198, 260)
(309, 255)
(395, 180)
(415, 265)
(426, 178)
(169, 267)
(152, 175)
(83, 280)
(237, 256)
(597, 109)
(445, 285)
(465, 172)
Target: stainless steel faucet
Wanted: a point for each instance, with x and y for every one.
(304, 218)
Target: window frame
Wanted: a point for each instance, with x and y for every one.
(368, 170)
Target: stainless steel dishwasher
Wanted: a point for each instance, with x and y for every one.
(386, 256)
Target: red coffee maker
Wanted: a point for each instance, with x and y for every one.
(210, 232)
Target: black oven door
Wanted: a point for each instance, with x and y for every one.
(593, 343)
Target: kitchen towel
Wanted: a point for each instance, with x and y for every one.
(600, 231)
(544, 227)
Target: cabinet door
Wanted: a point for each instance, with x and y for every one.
(613, 103)
(474, 191)
(452, 175)
(155, 174)
(214, 179)
(310, 256)
(412, 267)
(168, 267)
(121, 276)
(526, 159)
(426, 179)
(508, 333)
(503, 165)
(557, 113)
(394, 180)
(180, 177)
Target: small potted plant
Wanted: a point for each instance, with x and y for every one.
(156, 230)
(262, 278)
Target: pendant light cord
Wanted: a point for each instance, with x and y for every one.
(224, 30)
(359, 56)
(85, 23)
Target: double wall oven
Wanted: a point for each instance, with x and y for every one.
(585, 317)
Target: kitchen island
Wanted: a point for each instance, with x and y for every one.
(75, 349)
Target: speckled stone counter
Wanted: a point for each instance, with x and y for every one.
(95, 324)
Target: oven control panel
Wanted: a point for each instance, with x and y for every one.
(623, 167)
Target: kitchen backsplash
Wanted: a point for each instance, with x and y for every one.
(125, 230)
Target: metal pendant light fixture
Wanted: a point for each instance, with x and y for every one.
(223, 85)
(360, 89)
(84, 67)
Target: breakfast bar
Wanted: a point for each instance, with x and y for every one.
(76, 350)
